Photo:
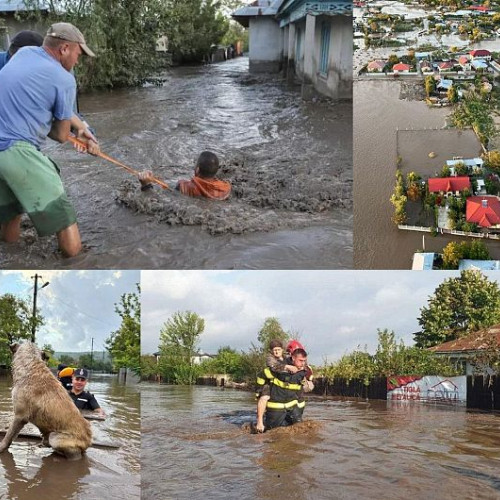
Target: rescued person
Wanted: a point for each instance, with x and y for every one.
(83, 399)
(65, 376)
(36, 101)
(286, 403)
(25, 38)
(274, 362)
(202, 184)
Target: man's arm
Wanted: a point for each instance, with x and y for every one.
(82, 131)
(60, 130)
(95, 406)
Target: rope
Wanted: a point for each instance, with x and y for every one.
(78, 142)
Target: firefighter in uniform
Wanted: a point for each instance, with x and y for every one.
(286, 403)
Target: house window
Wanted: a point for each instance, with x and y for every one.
(298, 48)
(324, 48)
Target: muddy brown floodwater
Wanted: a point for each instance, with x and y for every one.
(28, 472)
(193, 447)
(290, 164)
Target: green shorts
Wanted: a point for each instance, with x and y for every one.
(30, 183)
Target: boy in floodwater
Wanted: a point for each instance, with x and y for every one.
(203, 183)
(275, 362)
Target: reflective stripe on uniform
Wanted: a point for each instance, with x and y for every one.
(260, 381)
(301, 404)
(286, 385)
(281, 406)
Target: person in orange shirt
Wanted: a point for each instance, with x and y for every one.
(203, 183)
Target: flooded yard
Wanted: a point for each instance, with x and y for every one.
(344, 449)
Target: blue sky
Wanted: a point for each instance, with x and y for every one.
(333, 311)
(77, 305)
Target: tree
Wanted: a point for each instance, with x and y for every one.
(493, 160)
(452, 94)
(459, 306)
(271, 329)
(179, 339)
(430, 85)
(124, 345)
(227, 361)
(16, 322)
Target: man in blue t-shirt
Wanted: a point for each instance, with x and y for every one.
(36, 101)
(24, 38)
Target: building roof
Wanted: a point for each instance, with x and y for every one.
(479, 64)
(469, 162)
(483, 210)
(377, 64)
(423, 261)
(258, 8)
(446, 65)
(464, 59)
(476, 341)
(478, 265)
(480, 53)
(401, 67)
(447, 184)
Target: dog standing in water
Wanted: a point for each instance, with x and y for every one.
(39, 398)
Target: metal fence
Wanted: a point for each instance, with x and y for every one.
(355, 388)
(483, 392)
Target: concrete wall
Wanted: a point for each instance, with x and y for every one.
(266, 45)
(339, 80)
(337, 84)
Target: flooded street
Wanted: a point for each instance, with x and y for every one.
(29, 472)
(378, 114)
(289, 162)
(193, 447)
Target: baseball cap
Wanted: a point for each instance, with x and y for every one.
(81, 373)
(27, 38)
(70, 33)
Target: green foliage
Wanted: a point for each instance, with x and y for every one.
(430, 85)
(399, 199)
(492, 161)
(149, 367)
(271, 329)
(124, 345)
(459, 306)
(473, 111)
(179, 339)
(16, 322)
(390, 358)
(227, 361)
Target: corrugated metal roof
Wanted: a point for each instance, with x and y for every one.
(474, 342)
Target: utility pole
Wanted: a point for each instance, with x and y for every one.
(91, 355)
(35, 293)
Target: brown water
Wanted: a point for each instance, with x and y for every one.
(28, 472)
(290, 164)
(378, 114)
(193, 447)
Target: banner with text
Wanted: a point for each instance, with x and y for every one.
(431, 388)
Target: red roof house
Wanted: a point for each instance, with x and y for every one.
(445, 65)
(483, 210)
(401, 67)
(479, 8)
(448, 184)
(377, 65)
(480, 54)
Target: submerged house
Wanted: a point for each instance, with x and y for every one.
(465, 350)
(312, 41)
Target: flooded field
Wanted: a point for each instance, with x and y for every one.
(29, 472)
(289, 162)
(193, 447)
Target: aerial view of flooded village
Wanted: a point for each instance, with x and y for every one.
(426, 142)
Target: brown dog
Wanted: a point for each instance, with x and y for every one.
(39, 398)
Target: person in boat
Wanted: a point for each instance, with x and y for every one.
(274, 362)
(83, 399)
(202, 184)
(286, 402)
(36, 101)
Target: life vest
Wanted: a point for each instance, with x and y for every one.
(285, 389)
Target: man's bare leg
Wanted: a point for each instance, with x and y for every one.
(69, 240)
(11, 230)
(261, 409)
